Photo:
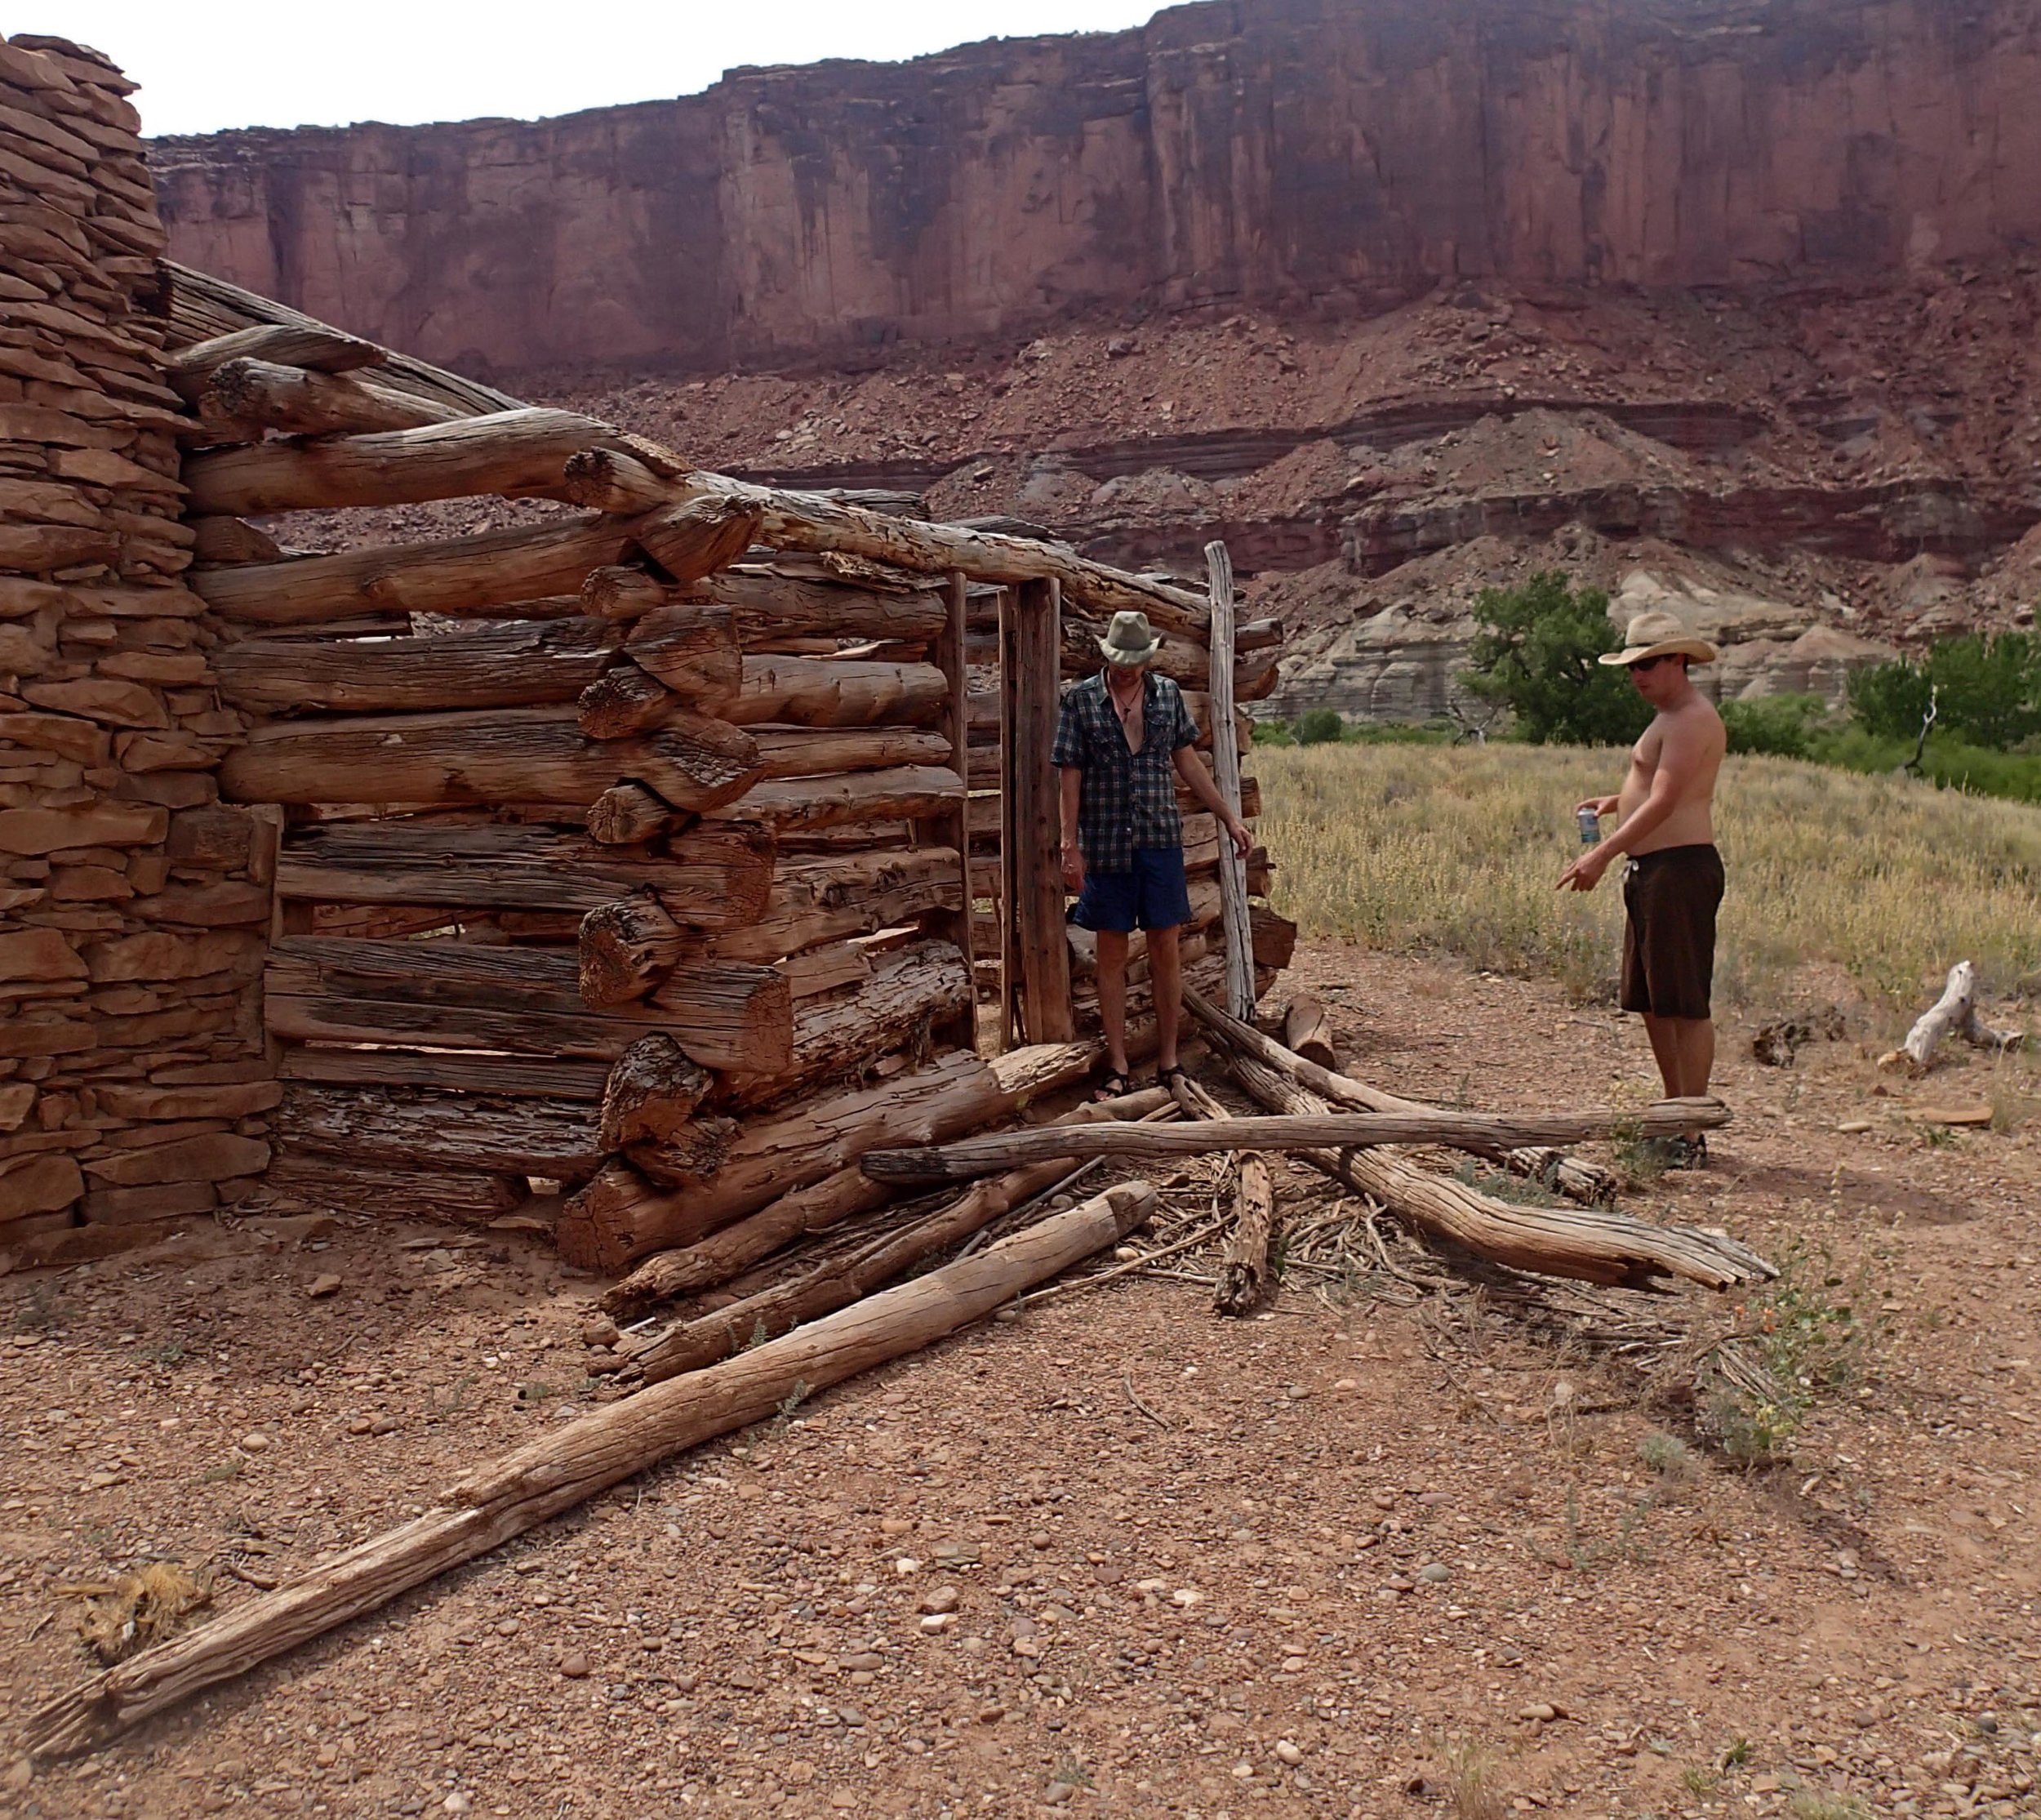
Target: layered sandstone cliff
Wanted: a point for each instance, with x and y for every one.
(1321, 153)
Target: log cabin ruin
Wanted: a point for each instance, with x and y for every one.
(668, 868)
(625, 872)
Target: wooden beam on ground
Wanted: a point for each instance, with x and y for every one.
(1232, 878)
(574, 1461)
(1480, 1132)
(1243, 1271)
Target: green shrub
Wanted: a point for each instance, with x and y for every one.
(1273, 732)
(1773, 726)
(2016, 776)
(1319, 727)
(1535, 652)
(1986, 691)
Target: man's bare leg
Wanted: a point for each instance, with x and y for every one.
(1684, 1049)
(1166, 978)
(1112, 995)
(1664, 1033)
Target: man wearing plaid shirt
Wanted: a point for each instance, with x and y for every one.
(1122, 739)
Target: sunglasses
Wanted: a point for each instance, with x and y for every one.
(1650, 663)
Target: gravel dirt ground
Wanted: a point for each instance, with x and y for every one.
(1366, 1554)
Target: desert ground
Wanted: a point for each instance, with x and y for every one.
(1385, 1549)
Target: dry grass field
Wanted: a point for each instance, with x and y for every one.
(1429, 850)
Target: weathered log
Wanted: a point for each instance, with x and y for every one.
(1588, 1183)
(216, 539)
(1233, 879)
(828, 968)
(414, 1128)
(711, 878)
(618, 1217)
(1038, 983)
(805, 805)
(651, 1092)
(910, 991)
(771, 607)
(814, 900)
(618, 592)
(622, 701)
(627, 814)
(500, 1076)
(571, 1462)
(466, 1197)
(1243, 1271)
(310, 345)
(1949, 1012)
(626, 948)
(1591, 1246)
(666, 1275)
(511, 452)
(685, 1153)
(1308, 1030)
(293, 401)
(821, 691)
(527, 1001)
(826, 751)
(457, 576)
(693, 650)
(606, 480)
(512, 663)
(1480, 1132)
(1186, 662)
(522, 755)
(696, 539)
(842, 1281)
(809, 522)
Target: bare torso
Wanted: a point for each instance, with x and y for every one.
(1690, 824)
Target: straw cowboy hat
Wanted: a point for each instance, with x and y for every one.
(1653, 635)
(1129, 640)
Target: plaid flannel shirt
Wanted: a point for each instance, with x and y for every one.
(1127, 799)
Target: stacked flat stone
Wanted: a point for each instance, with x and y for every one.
(134, 905)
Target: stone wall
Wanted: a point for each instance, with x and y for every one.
(134, 905)
(1324, 154)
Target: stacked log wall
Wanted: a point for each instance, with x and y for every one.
(134, 904)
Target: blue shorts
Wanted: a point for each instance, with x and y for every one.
(1153, 896)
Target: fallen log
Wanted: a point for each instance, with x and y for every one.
(573, 1462)
(1308, 1031)
(666, 1275)
(511, 452)
(521, 755)
(1243, 1271)
(294, 401)
(841, 1281)
(619, 1217)
(1591, 1246)
(1585, 1183)
(458, 575)
(1478, 1131)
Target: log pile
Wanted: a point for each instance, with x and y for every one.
(133, 903)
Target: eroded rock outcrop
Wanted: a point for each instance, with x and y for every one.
(1327, 154)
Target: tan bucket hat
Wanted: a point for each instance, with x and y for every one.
(1651, 635)
(1129, 639)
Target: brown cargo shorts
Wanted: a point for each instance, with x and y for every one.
(1669, 900)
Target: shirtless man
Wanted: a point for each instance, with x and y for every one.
(1674, 884)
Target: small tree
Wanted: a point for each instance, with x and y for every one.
(1986, 691)
(1319, 727)
(1535, 654)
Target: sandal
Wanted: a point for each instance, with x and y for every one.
(1111, 1087)
(1167, 1077)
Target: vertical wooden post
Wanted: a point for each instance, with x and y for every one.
(1009, 845)
(955, 827)
(1035, 866)
(1226, 766)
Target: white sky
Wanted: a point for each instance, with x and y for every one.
(286, 63)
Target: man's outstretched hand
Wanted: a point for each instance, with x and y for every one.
(1586, 873)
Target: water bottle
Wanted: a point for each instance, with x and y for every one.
(1591, 822)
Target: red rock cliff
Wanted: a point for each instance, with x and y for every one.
(1321, 153)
